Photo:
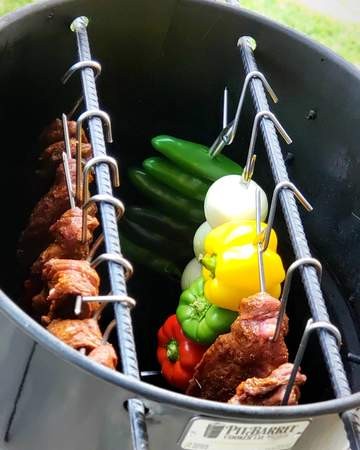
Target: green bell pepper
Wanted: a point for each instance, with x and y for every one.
(201, 321)
(168, 173)
(194, 158)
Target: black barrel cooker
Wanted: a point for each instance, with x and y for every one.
(165, 65)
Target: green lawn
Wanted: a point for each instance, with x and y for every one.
(342, 37)
(9, 5)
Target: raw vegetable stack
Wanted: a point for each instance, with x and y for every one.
(175, 184)
(188, 186)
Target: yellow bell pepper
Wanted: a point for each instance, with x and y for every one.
(235, 233)
(230, 265)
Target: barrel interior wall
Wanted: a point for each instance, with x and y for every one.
(158, 80)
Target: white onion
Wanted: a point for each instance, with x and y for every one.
(228, 198)
(191, 273)
(199, 239)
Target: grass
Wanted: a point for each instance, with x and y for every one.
(9, 5)
(342, 37)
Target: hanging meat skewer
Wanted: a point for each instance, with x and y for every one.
(61, 272)
(64, 279)
(67, 239)
(85, 334)
(51, 156)
(269, 391)
(247, 351)
(54, 132)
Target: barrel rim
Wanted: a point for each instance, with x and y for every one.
(140, 388)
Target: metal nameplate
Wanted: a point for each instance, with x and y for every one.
(202, 433)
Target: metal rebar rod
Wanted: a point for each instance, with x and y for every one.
(300, 245)
(111, 237)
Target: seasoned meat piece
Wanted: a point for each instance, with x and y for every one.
(67, 230)
(77, 333)
(269, 391)
(36, 237)
(51, 157)
(55, 202)
(105, 355)
(67, 244)
(247, 351)
(67, 278)
(39, 302)
(55, 133)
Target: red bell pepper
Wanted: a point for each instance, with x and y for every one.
(176, 354)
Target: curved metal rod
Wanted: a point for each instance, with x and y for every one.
(93, 162)
(68, 180)
(287, 285)
(129, 301)
(310, 327)
(225, 107)
(105, 300)
(87, 115)
(108, 331)
(250, 162)
(66, 135)
(98, 199)
(87, 64)
(227, 135)
(259, 249)
(274, 201)
(118, 259)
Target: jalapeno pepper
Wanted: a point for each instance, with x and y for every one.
(194, 158)
(161, 245)
(176, 354)
(146, 257)
(201, 321)
(168, 199)
(169, 174)
(158, 222)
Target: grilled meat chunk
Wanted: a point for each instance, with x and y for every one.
(55, 133)
(269, 391)
(67, 244)
(77, 333)
(65, 279)
(104, 354)
(51, 157)
(49, 208)
(37, 235)
(247, 351)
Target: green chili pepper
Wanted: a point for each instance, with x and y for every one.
(194, 158)
(174, 251)
(142, 255)
(158, 222)
(168, 173)
(167, 198)
(201, 321)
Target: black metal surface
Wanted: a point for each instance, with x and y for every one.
(111, 238)
(301, 248)
(169, 81)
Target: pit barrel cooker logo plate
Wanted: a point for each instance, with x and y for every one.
(209, 434)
